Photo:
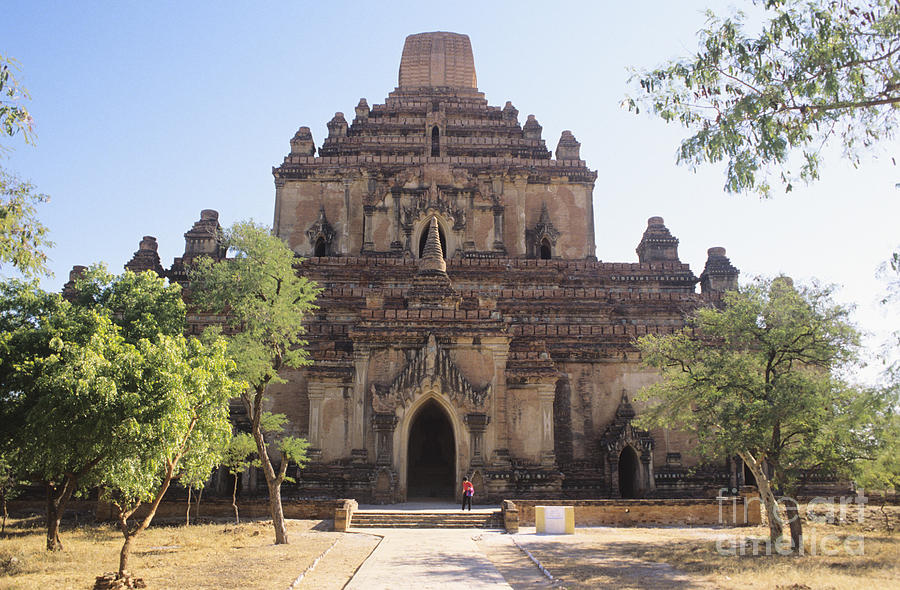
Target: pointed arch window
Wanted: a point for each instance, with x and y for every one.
(435, 142)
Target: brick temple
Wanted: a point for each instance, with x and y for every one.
(466, 326)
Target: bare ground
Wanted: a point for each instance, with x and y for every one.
(206, 556)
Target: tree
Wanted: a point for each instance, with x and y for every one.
(183, 394)
(60, 409)
(22, 237)
(9, 483)
(817, 72)
(759, 378)
(142, 305)
(236, 459)
(265, 302)
(69, 373)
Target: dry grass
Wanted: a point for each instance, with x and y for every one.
(201, 556)
(683, 558)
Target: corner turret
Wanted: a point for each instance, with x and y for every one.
(146, 257)
(719, 274)
(657, 244)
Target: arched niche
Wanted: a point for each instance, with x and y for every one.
(546, 250)
(435, 142)
(420, 236)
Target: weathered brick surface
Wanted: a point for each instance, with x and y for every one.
(521, 337)
(736, 511)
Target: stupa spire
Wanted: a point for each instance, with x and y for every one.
(433, 255)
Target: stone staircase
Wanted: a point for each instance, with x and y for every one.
(426, 520)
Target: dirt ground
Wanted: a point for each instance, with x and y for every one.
(841, 552)
(206, 556)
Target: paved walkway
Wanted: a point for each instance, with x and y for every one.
(427, 559)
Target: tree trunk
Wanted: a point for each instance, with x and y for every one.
(5, 515)
(273, 481)
(277, 514)
(187, 514)
(56, 506)
(792, 509)
(125, 552)
(767, 496)
(197, 506)
(237, 518)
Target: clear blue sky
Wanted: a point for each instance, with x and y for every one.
(148, 112)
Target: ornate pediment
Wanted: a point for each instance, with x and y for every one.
(544, 228)
(430, 202)
(430, 368)
(321, 230)
(621, 432)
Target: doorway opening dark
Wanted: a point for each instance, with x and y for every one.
(430, 453)
(628, 473)
(435, 142)
(546, 252)
(749, 478)
(321, 248)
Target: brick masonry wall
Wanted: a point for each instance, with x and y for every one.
(724, 511)
(305, 509)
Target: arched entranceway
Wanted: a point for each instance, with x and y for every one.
(430, 454)
(629, 471)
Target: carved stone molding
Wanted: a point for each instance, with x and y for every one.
(384, 424)
(430, 369)
(543, 230)
(321, 230)
(428, 203)
(621, 433)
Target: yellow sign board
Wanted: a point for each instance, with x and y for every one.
(554, 520)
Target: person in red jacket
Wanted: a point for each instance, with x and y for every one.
(468, 491)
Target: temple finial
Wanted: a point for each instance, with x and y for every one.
(433, 255)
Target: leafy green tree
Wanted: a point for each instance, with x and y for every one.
(70, 375)
(817, 72)
(236, 459)
(14, 116)
(22, 237)
(141, 304)
(266, 302)
(759, 378)
(9, 483)
(61, 412)
(182, 392)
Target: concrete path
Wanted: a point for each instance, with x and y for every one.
(426, 559)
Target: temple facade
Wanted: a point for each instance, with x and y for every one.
(466, 327)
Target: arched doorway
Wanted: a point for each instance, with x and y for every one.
(629, 471)
(430, 455)
(321, 248)
(546, 252)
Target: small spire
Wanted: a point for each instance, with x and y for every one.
(545, 215)
(433, 254)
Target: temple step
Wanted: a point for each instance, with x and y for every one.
(427, 520)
